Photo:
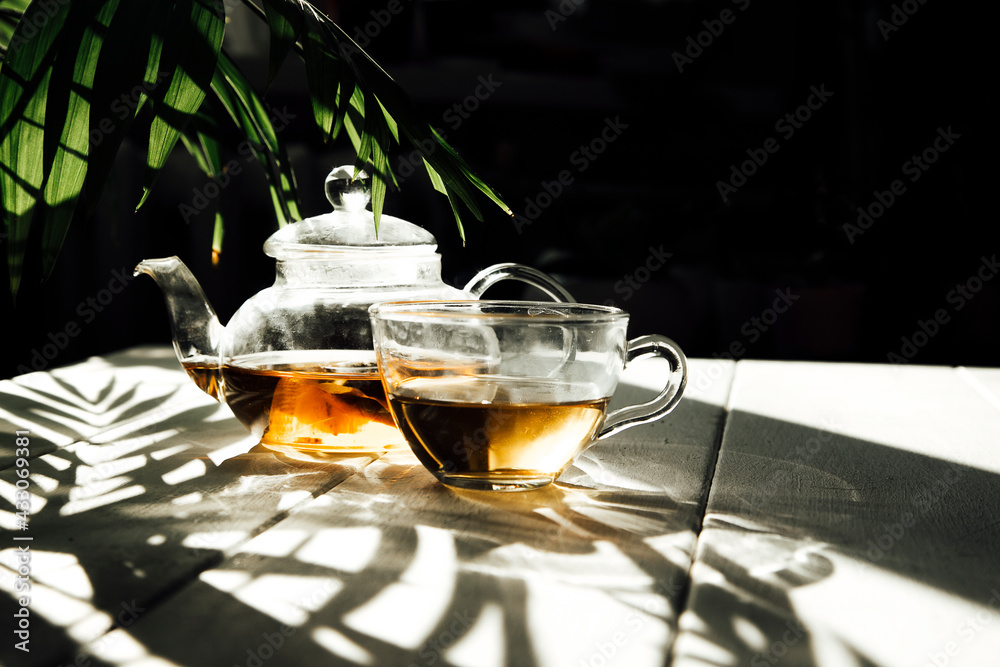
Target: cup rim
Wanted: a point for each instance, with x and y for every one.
(545, 312)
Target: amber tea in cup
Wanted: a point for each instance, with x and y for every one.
(504, 395)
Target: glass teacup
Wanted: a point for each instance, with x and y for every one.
(504, 395)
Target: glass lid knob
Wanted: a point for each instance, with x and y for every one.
(347, 190)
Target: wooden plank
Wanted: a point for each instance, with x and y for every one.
(391, 568)
(159, 489)
(852, 521)
(79, 401)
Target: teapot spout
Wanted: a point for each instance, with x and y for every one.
(195, 327)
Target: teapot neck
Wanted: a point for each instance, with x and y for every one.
(353, 271)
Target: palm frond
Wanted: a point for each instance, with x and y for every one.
(76, 76)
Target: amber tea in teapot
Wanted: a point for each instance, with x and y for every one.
(309, 406)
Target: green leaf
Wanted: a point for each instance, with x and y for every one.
(24, 80)
(121, 86)
(191, 44)
(286, 22)
(217, 239)
(406, 123)
(435, 177)
(354, 118)
(71, 91)
(252, 117)
(200, 138)
(321, 65)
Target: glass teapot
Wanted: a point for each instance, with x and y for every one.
(296, 362)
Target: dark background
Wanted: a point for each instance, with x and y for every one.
(564, 71)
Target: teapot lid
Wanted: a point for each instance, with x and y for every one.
(349, 227)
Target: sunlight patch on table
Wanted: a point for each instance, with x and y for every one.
(9, 521)
(193, 469)
(61, 571)
(573, 626)
(697, 649)
(907, 408)
(60, 592)
(44, 482)
(341, 646)
(482, 645)
(188, 498)
(56, 462)
(277, 542)
(110, 447)
(227, 581)
(106, 469)
(37, 430)
(428, 584)
(221, 454)
(603, 474)
(751, 635)
(882, 624)
(290, 499)
(122, 650)
(343, 549)
(161, 454)
(623, 519)
(86, 474)
(678, 548)
(64, 414)
(97, 486)
(217, 539)
(287, 598)
(86, 504)
(9, 492)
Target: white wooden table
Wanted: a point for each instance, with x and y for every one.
(784, 514)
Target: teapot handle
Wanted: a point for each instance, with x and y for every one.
(526, 274)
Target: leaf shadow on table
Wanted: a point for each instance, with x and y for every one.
(392, 568)
(793, 506)
(120, 519)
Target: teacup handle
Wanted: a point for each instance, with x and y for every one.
(526, 274)
(666, 400)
